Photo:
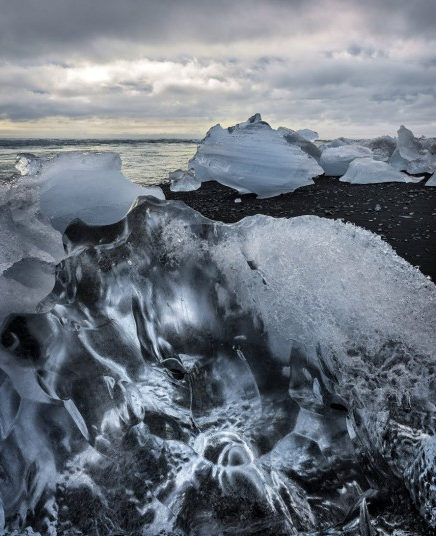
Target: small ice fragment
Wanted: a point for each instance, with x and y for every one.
(183, 181)
(238, 200)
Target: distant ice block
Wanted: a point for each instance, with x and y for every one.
(410, 154)
(335, 160)
(251, 157)
(307, 134)
(382, 147)
(183, 181)
(368, 171)
(340, 142)
(432, 180)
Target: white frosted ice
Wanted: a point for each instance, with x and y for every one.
(335, 160)
(368, 171)
(410, 155)
(253, 158)
(307, 134)
(183, 181)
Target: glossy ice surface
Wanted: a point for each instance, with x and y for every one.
(267, 377)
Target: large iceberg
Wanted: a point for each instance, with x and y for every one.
(189, 377)
(412, 155)
(335, 160)
(368, 171)
(251, 157)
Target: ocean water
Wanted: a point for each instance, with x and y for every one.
(144, 161)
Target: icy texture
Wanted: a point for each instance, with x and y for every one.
(367, 171)
(335, 160)
(88, 186)
(410, 154)
(183, 181)
(253, 158)
(432, 180)
(340, 142)
(191, 377)
(307, 134)
(36, 207)
(305, 145)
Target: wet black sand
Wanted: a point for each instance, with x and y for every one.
(402, 214)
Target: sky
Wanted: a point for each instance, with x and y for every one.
(151, 68)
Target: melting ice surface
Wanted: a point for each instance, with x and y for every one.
(187, 376)
(40, 202)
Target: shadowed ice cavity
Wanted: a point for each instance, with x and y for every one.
(267, 377)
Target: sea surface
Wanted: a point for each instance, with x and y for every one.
(144, 161)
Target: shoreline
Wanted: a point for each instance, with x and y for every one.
(403, 214)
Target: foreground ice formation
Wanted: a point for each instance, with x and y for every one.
(40, 202)
(89, 186)
(267, 377)
(254, 158)
(368, 171)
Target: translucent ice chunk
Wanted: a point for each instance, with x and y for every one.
(432, 180)
(368, 171)
(307, 134)
(38, 204)
(186, 374)
(410, 155)
(88, 186)
(183, 181)
(335, 160)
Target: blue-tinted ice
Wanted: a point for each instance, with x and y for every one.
(267, 377)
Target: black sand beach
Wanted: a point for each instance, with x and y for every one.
(402, 214)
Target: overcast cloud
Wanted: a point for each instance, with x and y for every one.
(139, 67)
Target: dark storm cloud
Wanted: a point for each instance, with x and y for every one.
(44, 27)
(48, 27)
